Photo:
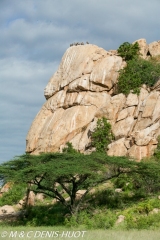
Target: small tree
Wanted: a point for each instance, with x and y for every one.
(128, 51)
(102, 135)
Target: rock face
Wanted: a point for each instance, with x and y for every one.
(7, 209)
(83, 90)
(5, 188)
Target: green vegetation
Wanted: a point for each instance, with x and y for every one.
(16, 193)
(102, 135)
(138, 71)
(91, 191)
(69, 148)
(128, 51)
(62, 175)
(157, 151)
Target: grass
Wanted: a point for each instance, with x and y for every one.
(41, 232)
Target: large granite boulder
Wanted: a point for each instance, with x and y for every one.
(83, 90)
(80, 87)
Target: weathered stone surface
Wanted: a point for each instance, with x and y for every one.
(77, 61)
(56, 101)
(39, 197)
(126, 112)
(149, 131)
(6, 209)
(142, 124)
(21, 203)
(117, 102)
(31, 199)
(154, 48)
(96, 99)
(123, 127)
(142, 96)
(82, 90)
(41, 124)
(110, 111)
(106, 71)
(138, 152)
(117, 148)
(132, 100)
(156, 112)
(6, 188)
(70, 99)
(150, 103)
(143, 141)
(143, 47)
(146, 137)
(154, 211)
(86, 136)
(97, 88)
(80, 84)
(57, 131)
(118, 190)
(120, 219)
(127, 143)
(80, 193)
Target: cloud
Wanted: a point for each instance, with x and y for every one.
(34, 36)
(35, 29)
(21, 96)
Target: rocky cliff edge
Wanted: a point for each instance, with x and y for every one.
(83, 90)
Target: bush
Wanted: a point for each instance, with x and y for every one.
(157, 151)
(69, 148)
(14, 195)
(102, 135)
(99, 220)
(128, 51)
(151, 221)
(137, 72)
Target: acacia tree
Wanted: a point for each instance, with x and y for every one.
(61, 175)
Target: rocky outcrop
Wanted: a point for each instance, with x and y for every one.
(147, 50)
(8, 213)
(6, 209)
(82, 90)
(6, 187)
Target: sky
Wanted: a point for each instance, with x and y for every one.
(34, 35)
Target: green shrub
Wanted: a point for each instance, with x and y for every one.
(100, 219)
(137, 72)
(124, 182)
(50, 215)
(102, 135)
(14, 195)
(157, 151)
(144, 207)
(151, 221)
(69, 148)
(128, 51)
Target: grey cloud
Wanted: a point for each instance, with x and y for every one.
(35, 35)
(45, 26)
(21, 97)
